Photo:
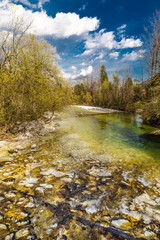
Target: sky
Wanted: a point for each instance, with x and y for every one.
(87, 34)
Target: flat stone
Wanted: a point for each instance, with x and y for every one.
(99, 172)
(22, 233)
(34, 146)
(29, 182)
(143, 199)
(52, 171)
(19, 147)
(45, 185)
(121, 223)
(30, 205)
(135, 215)
(149, 234)
(40, 189)
(146, 219)
(1, 198)
(3, 227)
(9, 237)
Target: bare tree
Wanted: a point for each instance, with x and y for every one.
(10, 39)
(152, 45)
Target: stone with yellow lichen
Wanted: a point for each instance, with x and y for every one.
(122, 224)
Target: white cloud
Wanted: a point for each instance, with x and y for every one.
(63, 25)
(100, 56)
(32, 5)
(82, 73)
(130, 43)
(42, 2)
(83, 64)
(114, 55)
(101, 40)
(83, 7)
(27, 3)
(73, 68)
(107, 40)
(4, 3)
(87, 71)
(133, 56)
(121, 29)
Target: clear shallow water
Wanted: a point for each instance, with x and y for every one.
(119, 134)
(66, 185)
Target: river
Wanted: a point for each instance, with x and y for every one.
(96, 177)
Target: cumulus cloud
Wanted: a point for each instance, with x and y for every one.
(101, 40)
(73, 68)
(87, 71)
(82, 73)
(63, 25)
(107, 40)
(130, 43)
(114, 55)
(133, 56)
(4, 3)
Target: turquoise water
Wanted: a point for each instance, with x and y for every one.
(119, 134)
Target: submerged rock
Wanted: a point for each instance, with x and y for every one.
(3, 227)
(52, 171)
(22, 233)
(101, 172)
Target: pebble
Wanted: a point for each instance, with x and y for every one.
(19, 147)
(52, 171)
(34, 146)
(30, 205)
(9, 237)
(121, 223)
(1, 198)
(3, 227)
(99, 172)
(136, 215)
(149, 234)
(22, 233)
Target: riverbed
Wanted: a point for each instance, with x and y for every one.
(97, 176)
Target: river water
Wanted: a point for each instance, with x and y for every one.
(96, 177)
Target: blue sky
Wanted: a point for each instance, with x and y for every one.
(88, 33)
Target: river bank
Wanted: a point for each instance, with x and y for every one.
(56, 185)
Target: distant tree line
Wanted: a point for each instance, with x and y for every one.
(122, 94)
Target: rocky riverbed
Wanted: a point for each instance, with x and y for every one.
(54, 185)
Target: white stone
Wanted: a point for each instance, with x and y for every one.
(99, 172)
(30, 205)
(146, 219)
(136, 215)
(9, 237)
(149, 234)
(44, 185)
(22, 233)
(29, 182)
(143, 199)
(119, 223)
(52, 171)
(3, 227)
(19, 147)
(34, 146)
